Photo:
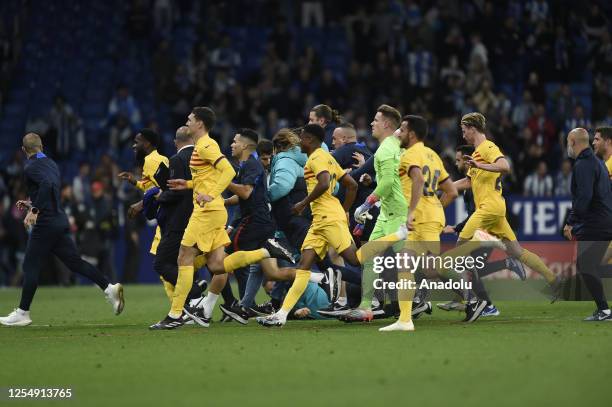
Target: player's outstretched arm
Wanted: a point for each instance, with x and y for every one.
(463, 184)
(226, 174)
(323, 181)
(350, 186)
(129, 177)
(500, 165)
(179, 184)
(232, 200)
(384, 178)
(242, 191)
(449, 192)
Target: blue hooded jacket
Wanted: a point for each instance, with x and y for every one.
(286, 168)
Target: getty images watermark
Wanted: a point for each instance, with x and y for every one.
(405, 262)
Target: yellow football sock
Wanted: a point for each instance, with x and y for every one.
(405, 296)
(199, 261)
(297, 289)
(243, 258)
(534, 262)
(181, 290)
(464, 249)
(168, 288)
(374, 247)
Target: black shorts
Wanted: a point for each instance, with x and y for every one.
(168, 248)
(250, 234)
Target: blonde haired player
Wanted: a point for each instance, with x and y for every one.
(487, 166)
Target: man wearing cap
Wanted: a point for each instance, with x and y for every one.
(145, 147)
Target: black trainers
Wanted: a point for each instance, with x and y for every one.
(392, 309)
(599, 315)
(203, 284)
(278, 250)
(474, 309)
(379, 311)
(418, 308)
(224, 316)
(168, 323)
(196, 314)
(334, 310)
(420, 295)
(263, 309)
(235, 312)
(332, 283)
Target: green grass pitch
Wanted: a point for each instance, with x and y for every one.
(534, 354)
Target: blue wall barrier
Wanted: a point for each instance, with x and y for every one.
(539, 219)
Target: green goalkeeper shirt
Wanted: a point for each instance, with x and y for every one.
(389, 188)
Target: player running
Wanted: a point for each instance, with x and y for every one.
(393, 207)
(422, 174)
(145, 146)
(602, 145)
(205, 233)
(484, 178)
(329, 226)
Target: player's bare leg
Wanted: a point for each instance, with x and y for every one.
(302, 275)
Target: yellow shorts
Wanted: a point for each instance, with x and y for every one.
(155, 241)
(494, 224)
(322, 235)
(206, 230)
(425, 238)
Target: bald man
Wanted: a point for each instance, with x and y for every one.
(49, 233)
(590, 219)
(176, 207)
(345, 150)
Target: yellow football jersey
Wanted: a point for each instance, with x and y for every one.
(151, 164)
(609, 166)
(429, 208)
(486, 185)
(206, 154)
(326, 207)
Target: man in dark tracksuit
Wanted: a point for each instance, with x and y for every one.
(254, 226)
(590, 219)
(175, 208)
(345, 147)
(50, 233)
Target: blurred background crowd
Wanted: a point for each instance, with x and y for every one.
(88, 75)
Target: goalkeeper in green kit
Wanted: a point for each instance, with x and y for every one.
(391, 223)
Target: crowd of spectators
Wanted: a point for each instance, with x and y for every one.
(439, 59)
(11, 39)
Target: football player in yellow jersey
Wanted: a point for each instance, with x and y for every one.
(145, 146)
(602, 145)
(421, 173)
(329, 226)
(211, 173)
(484, 177)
